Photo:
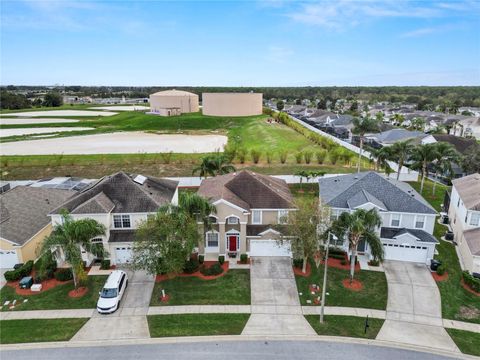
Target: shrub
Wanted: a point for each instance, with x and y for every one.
(46, 262)
(307, 155)
(334, 155)
(335, 250)
(105, 264)
(441, 270)
(336, 256)
(201, 259)
(64, 275)
(221, 259)
(269, 155)
(471, 281)
(243, 258)
(166, 157)
(191, 266)
(344, 262)
(12, 275)
(255, 155)
(283, 156)
(320, 155)
(298, 263)
(19, 273)
(241, 155)
(298, 157)
(215, 269)
(374, 263)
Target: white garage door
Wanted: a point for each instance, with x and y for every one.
(8, 258)
(269, 248)
(405, 252)
(123, 254)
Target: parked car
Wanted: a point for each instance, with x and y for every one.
(112, 292)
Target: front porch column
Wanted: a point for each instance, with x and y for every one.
(221, 238)
(243, 238)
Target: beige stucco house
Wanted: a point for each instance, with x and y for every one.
(464, 215)
(24, 221)
(232, 104)
(173, 102)
(251, 209)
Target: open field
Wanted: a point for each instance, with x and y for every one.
(121, 108)
(34, 121)
(116, 143)
(30, 131)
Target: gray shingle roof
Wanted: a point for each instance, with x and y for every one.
(394, 135)
(121, 191)
(25, 209)
(394, 195)
(363, 197)
(392, 233)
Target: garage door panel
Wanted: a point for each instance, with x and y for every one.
(409, 253)
(269, 248)
(8, 258)
(123, 254)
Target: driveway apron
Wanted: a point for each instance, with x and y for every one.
(276, 308)
(129, 321)
(414, 314)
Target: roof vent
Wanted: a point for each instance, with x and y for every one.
(140, 179)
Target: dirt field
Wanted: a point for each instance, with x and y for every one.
(117, 143)
(62, 113)
(28, 131)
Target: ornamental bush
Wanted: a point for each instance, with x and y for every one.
(471, 281)
(105, 264)
(221, 259)
(215, 269)
(441, 270)
(64, 275)
(191, 266)
(243, 258)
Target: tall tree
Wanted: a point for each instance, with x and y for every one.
(280, 105)
(69, 236)
(445, 155)
(165, 241)
(361, 126)
(471, 159)
(197, 207)
(357, 226)
(302, 226)
(422, 156)
(381, 157)
(401, 152)
(213, 165)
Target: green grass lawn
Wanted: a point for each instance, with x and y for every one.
(457, 303)
(39, 330)
(56, 298)
(231, 289)
(372, 296)
(350, 326)
(196, 324)
(468, 342)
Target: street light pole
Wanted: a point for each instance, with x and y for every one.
(322, 309)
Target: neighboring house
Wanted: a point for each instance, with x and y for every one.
(464, 215)
(250, 207)
(390, 137)
(120, 202)
(24, 221)
(407, 218)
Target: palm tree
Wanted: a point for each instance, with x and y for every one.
(398, 118)
(381, 157)
(362, 126)
(70, 235)
(401, 152)
(445, 156)
(214, 165)
(422, 156)
(197, 207)
(357, 226)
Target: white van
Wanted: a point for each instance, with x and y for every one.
(112, 292)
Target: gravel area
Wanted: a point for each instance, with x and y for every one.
(62, 113)
(117, 143)
(28, 131)
(122, 108)
(25, 121)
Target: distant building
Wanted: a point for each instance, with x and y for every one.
(232, 104)
(173, 102)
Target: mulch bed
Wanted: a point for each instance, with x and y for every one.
(337, 263)
(438, 278)
(46, 285)
(298, 271)
(468, 288)
(354, 286)
(77, 293)
(198, 274)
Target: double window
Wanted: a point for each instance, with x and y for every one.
(212, 239)
(256, 216)
(121, 221)
(420, 222)
(395, 220)
(475, 218)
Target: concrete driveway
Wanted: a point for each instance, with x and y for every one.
(128, 322)
(2, 277)
(414, 314)
(276, 308)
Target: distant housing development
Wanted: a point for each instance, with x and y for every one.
(173, 102)
(232, 104)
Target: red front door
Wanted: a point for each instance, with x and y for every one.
(232, 243)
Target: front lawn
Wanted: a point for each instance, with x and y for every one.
(350, 326)
(231, 289)
(468, 342)
(39, 330)
(196, 324)
(56, 298)
(372, 296)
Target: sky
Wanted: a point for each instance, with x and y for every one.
(240, 43)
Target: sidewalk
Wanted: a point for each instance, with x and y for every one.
(345, 311)
(46, 314)
(199, 309)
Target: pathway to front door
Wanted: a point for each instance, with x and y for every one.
(276, 308)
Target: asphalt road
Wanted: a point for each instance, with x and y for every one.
(231, 350)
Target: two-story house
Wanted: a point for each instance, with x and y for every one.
(407, 218)
(464, 215)
(120, 202)
(250, 207)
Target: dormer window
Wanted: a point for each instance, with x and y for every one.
(232, 220)
(121, 221)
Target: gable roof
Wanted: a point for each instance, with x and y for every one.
(364, 197)
(468, 187)
(394, 135)
(460, 144)
(393, 233)
(119, 193)
(248, 190)
(24, 211)
(393, 195)
(472, 237)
